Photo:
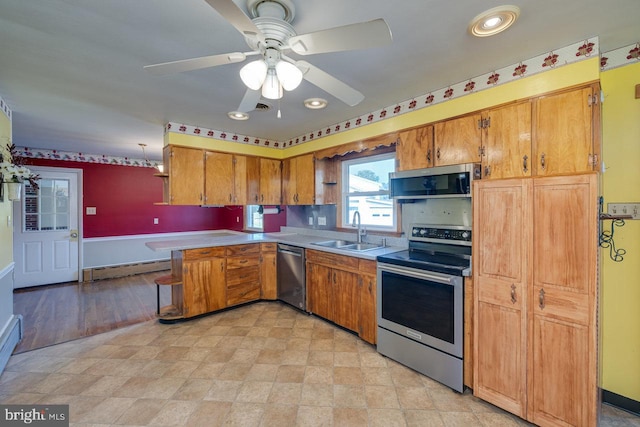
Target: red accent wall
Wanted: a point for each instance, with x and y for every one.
(124, 198)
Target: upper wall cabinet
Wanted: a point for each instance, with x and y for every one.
(567, 132)
(414, 149)
(270, 181)
(298, 180)
(458, 140)
(225, 179)
(506, 141)
(185, 167)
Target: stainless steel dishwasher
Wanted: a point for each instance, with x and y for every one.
(291, 276)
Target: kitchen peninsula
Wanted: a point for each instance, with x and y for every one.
(228, 268)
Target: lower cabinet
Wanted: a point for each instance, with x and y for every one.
(268, 271)
(342, 289)
(203, 278)
(243, 273)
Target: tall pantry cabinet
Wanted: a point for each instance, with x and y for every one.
(535, 294)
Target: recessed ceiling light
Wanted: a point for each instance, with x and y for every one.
(238, 115)
(315, 103)
(494, 20)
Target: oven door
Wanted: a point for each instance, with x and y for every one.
(424, 306)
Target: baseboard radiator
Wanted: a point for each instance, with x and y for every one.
(112, 272)
(10, 339)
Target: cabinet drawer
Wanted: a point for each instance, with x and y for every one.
(336, 261)
(243, 292)
(235, 250)
(368, 266)
(268, 247)
(241, 275)
(202, 253)
(242, 261)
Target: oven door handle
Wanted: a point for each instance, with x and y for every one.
(419, 274)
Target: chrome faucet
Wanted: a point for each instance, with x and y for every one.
(361, 230)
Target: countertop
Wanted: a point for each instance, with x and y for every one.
(294, 236)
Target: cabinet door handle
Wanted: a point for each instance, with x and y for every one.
(262, 198)
(244, 261)
(429, 155)
(334, 277)
(525, 166)
(230, 197)
(438, 153)
(541, 299)
(543, 162)
(513, 294)
(487, 170)
(256, 198)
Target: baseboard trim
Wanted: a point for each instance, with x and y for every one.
(112, 272)
(10, 338)
(621, 402)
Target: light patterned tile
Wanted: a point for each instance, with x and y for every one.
(285, 393)
(209, 414)
(351, 396)
(317, 395)
(107, 411)
(193, 389)
(386, 418)
(254, 391)
(224, 391)
(279, 416)
(379, 396)
(141, 412)
(350, 417)
(313, 416)
(174, 413)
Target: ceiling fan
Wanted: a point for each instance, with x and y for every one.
(270, 35)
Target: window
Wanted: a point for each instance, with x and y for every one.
(365, 188)
(254, 218)
(47, 209)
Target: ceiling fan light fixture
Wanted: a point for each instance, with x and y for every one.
(289, 75)
(271, 88)
(238, 115)
(494, 21)
(253, 74)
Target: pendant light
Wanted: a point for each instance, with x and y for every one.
(271, 88)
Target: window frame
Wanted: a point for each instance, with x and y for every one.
(248, 218)
(345, 194)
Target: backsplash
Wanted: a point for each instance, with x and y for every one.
(318, 217)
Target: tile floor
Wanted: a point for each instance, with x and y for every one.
(264, 364)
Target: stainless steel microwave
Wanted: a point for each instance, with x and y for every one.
(436, 182)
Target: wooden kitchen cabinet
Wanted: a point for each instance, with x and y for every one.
(253, 180)
(501, 241)
(567, 132)
(458, 140)
(270, 181)
(243, 273)
(414, 149)
(326, 181)
(203, 278)
(225, 179)
(298, 180)
(368, 297)
(506, 141)
(185, 170)
(342, 289)
(535, 279)
(268, 271)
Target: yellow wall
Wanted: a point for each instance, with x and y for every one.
(570, 75)
(621, 280)
(6, 231)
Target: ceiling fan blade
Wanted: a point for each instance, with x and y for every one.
(249, 101)
(195, 63)
(236, 17)
(364, 35)
(330, 84)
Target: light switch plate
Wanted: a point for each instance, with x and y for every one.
(322, 220)
(91, 210)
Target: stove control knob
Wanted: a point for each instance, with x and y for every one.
(423, 231)
(465, 235)
(414, 232)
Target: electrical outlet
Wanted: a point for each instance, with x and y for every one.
(632, 209)
(310, 220)
(155, 221)
(91, 210)
(322, 220)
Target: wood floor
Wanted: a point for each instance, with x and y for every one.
(64, 312)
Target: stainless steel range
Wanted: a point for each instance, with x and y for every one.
(421, 302)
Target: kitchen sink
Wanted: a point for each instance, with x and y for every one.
(336, 243)
(348, 245)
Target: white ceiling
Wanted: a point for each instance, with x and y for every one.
(71, 70)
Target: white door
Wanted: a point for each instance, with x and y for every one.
(45, 232)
